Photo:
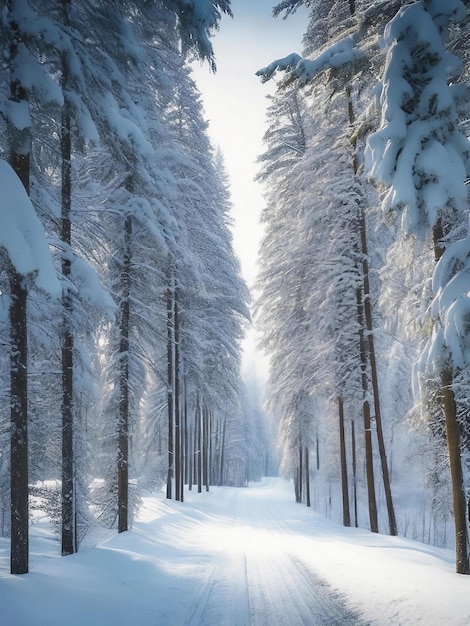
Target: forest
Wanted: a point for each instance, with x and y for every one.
(123, 308)
(364, 273)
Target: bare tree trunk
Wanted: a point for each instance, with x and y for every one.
(454, 447)
(69, 539)
(307, 475)
(20, 162)
(344, 469)
(187, 438)
(222, 451)
(458, 490)
(19, 556)
(199, 445)
(368, 353)
(354, 469)
(205, 445)
(372, 502)
(178, 447)
(300, 473)
(123, 427)
(374, 378)
(170, 383)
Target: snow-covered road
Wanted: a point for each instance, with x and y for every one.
(259, 575)
(238, 557)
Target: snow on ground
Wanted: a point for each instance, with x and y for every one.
(234, 556)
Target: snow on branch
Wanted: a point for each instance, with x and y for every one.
(451, 309)
(198, 20)
(339, 54)
(22, 238)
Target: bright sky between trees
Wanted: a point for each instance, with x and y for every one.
(235, 105)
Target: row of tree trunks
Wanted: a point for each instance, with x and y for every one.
(369, 366)
(374, 377)
(302, 475)
(184, 466)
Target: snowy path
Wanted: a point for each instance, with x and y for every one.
(234, 557)
(258, 575)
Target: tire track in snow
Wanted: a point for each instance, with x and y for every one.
(258, 577)
(223, 600)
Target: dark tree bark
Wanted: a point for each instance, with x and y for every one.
(124, 382)
(199, 445)
(19, 159)
(374, 379)
(19, 555)
(462, 565)
(300, 474)
(371, 497)
(307, 476)
(178, 431)
(68, 496)
(354, 469)
(222, 452)
(368, 348)
(205, 445)
(458, 489)
(170, 389)
(344, 469)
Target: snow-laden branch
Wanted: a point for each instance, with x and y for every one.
(451, 307)
(341, 53)
(198, 19)
(22, 238)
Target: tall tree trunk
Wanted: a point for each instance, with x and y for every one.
(19, 554)
(170, 383)
(124, 383)
(19, 158)
(344, 468)
(67, 339)
(369, 346)
(354, 469)
(187, 438)
(300, 473)
(307, 475)
(371, 497)
(176, 370)
(222, 452)
(199, 445)
(458, 490)
(462, 565)
(374, 378)
(205, 445)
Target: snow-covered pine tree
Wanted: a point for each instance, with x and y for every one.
(422, 156)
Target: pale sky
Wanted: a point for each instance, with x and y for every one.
(235, 106)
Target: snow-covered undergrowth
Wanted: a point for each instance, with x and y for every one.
(234, 556)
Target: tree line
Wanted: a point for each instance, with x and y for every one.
(123, 307)
(364, 279)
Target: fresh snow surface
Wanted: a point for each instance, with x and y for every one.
(239, 557)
